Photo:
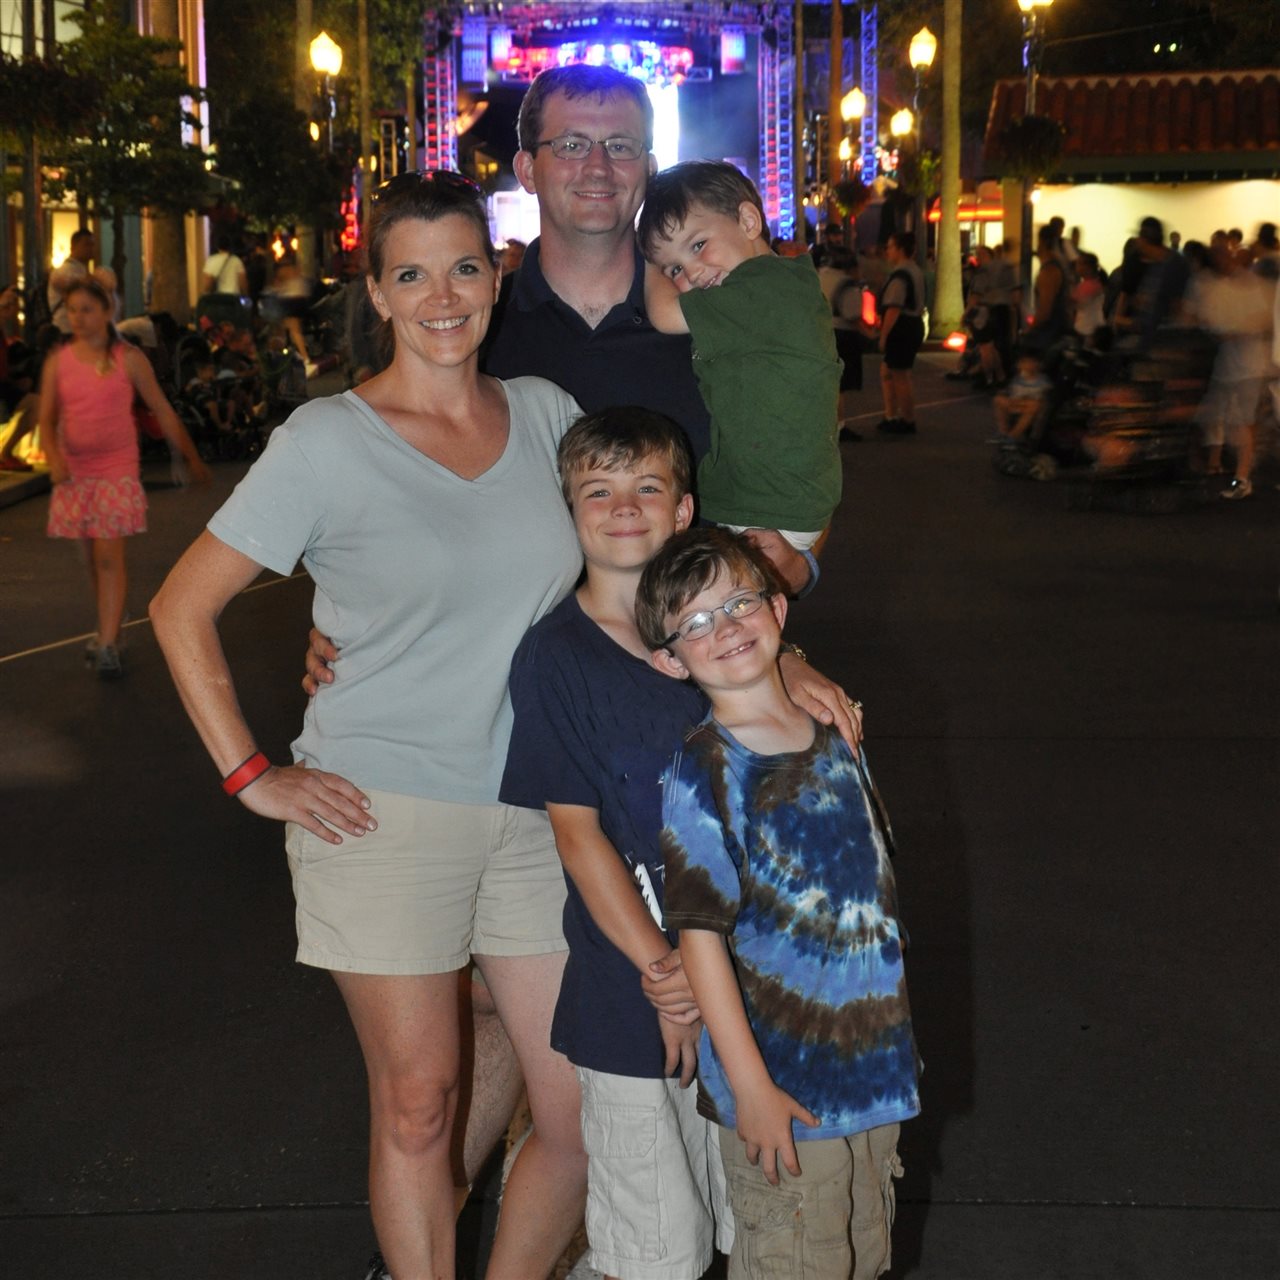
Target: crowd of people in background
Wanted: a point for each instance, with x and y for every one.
(1223, 287)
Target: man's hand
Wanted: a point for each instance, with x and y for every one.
(791, 566)
(666, 987)
(765, 1114)
(681, 1044)
(312, 799)
(320, 653)
(823, 699)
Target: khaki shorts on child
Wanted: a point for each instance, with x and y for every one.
(655, 1185)
(435, 884)
(831, 1223)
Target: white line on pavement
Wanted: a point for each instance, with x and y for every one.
(928, 404)
(137, 622)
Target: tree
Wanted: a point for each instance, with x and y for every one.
(131, 156)
(41, 102)
(282, 175)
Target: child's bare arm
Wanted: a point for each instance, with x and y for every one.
(765, 1112)
(50, 426)
(662, 302)
(613, 899)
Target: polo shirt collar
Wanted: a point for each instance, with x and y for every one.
(532, 289)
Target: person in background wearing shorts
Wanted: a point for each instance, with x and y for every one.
(902, 305)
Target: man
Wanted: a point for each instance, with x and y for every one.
(76, 267)
(575, 311)
(224, 271)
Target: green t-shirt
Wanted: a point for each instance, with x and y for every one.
(765, 357)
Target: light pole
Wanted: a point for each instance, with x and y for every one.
(1032, 49)
(853, 106)
(326, 58)
(920, 53)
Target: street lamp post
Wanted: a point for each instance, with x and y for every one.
(326, 58)
(920, 53)
(1032, 49)
(852, 108)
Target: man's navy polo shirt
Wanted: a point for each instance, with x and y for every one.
(623, 360)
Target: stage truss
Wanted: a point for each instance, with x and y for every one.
(448, 28)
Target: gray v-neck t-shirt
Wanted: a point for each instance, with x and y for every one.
(425, 581)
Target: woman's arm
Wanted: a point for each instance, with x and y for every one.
(185, 615)
(144, 382)
(662, 302)
(50, 427)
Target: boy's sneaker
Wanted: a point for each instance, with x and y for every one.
(107, 663)
(1236, 490)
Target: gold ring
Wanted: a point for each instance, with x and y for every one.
(855, 705)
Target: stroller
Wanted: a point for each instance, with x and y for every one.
(1139, 429)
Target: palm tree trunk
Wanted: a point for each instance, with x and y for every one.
(948, 305)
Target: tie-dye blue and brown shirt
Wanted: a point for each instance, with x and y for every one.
(784, 855)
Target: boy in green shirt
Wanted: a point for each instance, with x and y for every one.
(764, 351)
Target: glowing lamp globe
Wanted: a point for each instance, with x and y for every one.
(924, 44)
(326, 55)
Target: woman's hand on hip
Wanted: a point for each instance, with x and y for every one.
(323, 803)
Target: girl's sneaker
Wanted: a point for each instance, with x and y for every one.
(107, 663)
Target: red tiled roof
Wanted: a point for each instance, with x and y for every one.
(1151, 126)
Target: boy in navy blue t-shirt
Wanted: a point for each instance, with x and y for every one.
(594, 726)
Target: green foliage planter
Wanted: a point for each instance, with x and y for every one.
(1029, 147)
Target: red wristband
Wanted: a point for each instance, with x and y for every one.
(243, 774)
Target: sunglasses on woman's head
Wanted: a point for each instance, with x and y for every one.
(405, 182)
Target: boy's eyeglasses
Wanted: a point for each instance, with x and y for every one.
(704, 623)
(577, 146)
(446, 178)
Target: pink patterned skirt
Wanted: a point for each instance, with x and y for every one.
(89, 508)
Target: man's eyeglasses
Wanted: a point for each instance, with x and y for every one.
(702, 624)
(411, 181)
(577, 146)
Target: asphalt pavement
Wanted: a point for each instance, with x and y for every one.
(1073, 718)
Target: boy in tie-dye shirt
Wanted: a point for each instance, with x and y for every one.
(778, 878)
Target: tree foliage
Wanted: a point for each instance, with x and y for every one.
(1030, 147)
(282, 175)
(128, 152)
(42, 98)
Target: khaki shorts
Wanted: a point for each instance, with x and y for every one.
(434, 885)
(656, 1202)
(831, 1223)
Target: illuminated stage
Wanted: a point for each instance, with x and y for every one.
(721, 75)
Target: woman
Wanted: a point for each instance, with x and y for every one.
(87, 389)
(426, 507)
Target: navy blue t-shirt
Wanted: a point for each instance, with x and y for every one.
(623, 360)
(596, 726)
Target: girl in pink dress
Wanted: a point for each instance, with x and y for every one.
(91, 442)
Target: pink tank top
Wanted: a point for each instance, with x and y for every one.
(95, 412)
